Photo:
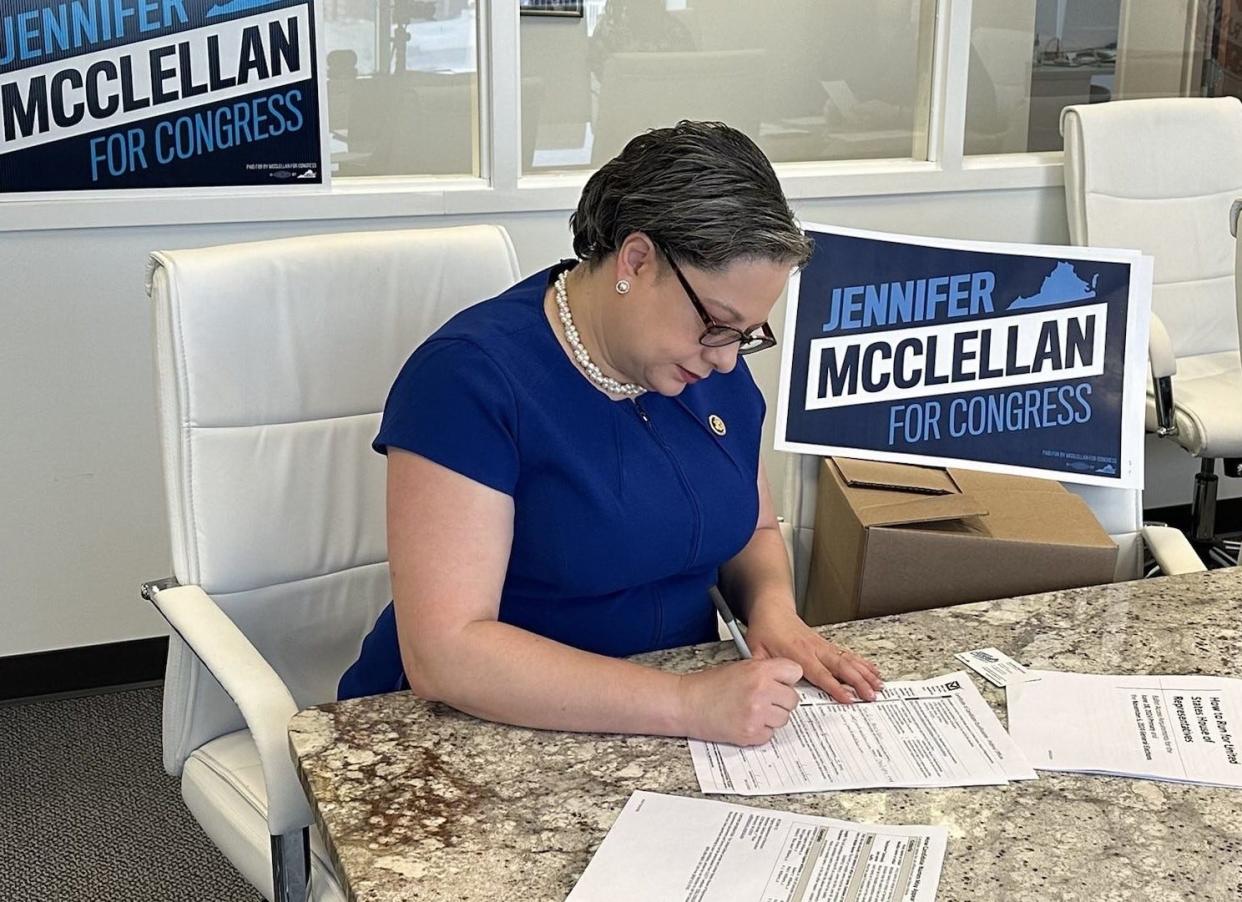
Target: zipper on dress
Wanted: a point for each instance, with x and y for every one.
(681, 475)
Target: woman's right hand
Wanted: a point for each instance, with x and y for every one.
(742, 703)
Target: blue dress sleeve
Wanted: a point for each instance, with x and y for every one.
(756, 392)
(453, 405)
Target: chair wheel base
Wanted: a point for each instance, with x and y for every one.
(1217, 553)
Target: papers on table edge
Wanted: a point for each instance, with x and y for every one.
(940, 732)
(701, 850)
(918, 733)
(1162, 727)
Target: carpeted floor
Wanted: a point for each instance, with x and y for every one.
(87, 812)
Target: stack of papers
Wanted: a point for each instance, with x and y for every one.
(937, 732)
(697, 850)
(1182, 728)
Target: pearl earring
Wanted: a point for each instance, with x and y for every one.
(623, 286)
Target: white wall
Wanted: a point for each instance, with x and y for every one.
(79, 469)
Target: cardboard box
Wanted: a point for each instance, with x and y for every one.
(891, 538)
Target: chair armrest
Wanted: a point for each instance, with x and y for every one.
(1172, 550)
(1163, 368)
(265, 701)
(1234, 209)
(1160, 351)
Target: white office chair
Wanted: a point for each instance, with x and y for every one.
(274, 361)
(1120, 512)
(1159, 176)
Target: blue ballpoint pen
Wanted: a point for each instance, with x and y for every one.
(727, 616)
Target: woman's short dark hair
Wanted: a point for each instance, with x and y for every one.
(701, 190)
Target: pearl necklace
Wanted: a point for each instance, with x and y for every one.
(590, 367)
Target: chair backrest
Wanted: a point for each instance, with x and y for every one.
(274, 360)
(1120, 512)
(639, 91)
(1159, 176)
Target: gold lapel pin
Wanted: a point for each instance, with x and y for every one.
(717, 424)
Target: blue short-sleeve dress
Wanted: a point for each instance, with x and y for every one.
(623, 510)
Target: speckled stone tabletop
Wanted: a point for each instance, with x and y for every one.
(418, 801)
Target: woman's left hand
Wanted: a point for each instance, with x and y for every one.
(775, 630)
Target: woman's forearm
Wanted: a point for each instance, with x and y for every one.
(500, 672)
(759, 585)
(758, 574)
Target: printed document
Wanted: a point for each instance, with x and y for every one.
(674, 849)
(1183, 728)
(994, 666)
(937, 732)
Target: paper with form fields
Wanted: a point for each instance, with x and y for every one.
(673, 849)
(1183, 728)
(937, 732)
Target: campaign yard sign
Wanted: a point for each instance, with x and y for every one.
(1019, 359)
(108, 94)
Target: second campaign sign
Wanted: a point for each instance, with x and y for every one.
(111, 94)
(1016, 358)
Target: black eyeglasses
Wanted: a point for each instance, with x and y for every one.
(718, 335)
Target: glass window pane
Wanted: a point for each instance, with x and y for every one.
(1029, 59)
(402, 87)
(807, 79)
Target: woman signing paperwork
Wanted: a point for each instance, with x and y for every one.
(575, 462)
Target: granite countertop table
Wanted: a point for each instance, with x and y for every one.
(418, 801)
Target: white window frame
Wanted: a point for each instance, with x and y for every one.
(501, 187)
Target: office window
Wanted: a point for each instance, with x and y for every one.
(402, 87)
(1029, 59)
(807, 79)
